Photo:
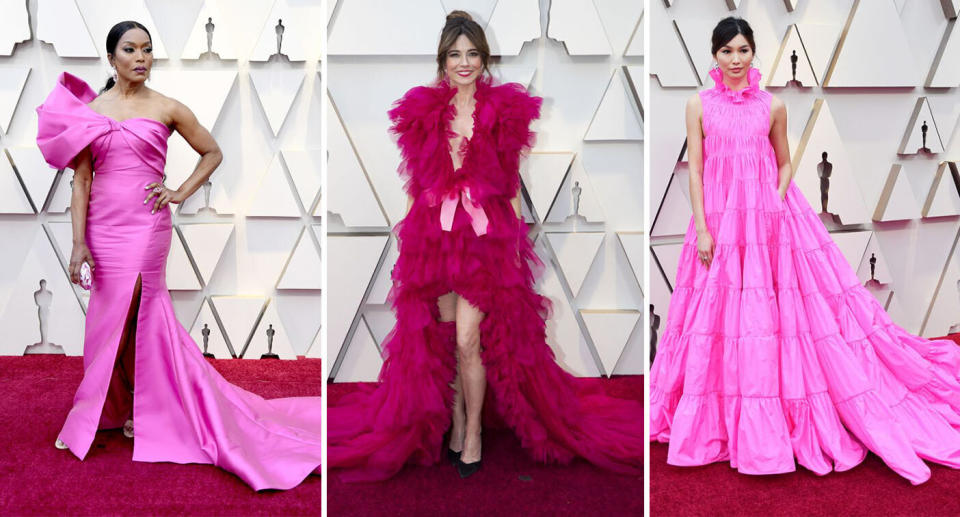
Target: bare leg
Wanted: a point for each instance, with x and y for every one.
(126, 354)
(472, 374)
(448, 312)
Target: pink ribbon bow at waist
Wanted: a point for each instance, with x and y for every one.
(448, 209)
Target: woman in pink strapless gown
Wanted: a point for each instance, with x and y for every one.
(773, 353)
(183, 410)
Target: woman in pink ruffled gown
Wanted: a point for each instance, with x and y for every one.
(464, 299)
(773, 353)
(140, 364)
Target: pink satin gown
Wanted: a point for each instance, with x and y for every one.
(776, 354)
(183, 410)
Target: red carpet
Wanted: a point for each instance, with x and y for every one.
(869, 489)
(510, 482)
(38, 479)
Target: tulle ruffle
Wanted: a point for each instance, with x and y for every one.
(374, 433)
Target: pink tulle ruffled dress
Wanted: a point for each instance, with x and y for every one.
(183, 410)
(462, 235)
(776, 354)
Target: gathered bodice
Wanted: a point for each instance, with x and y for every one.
(67, 125)
(735, 121)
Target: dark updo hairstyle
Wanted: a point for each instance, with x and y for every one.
(113, 38)
(727, 29)
(459, 22)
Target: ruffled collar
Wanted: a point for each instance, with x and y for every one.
(737, 96)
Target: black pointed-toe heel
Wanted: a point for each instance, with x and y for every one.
(468, 469)
(453, 456)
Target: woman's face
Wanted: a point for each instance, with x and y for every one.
(464, 63)
(734, 58)
(133, 56)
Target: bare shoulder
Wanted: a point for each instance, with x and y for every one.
(694, 103)
(777, 107)
(177, 111)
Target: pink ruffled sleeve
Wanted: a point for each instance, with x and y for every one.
(419, 121)
(66, 125)
(517, 110)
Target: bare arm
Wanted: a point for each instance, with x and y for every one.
(185, 123)
(778, 138)
(79, 200)
(695, 161)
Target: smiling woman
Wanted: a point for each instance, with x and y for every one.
(463, 293)
(140, 365)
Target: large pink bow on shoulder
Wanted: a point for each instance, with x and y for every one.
(448, 209)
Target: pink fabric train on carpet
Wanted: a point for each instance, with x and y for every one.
(372, 434)
(183, 410)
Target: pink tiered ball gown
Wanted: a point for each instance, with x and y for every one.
(183, 410)
(776, 354)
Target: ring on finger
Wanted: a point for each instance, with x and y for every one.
(158, 189)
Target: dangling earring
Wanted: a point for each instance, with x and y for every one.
(115, 75)
(756, 59)
(715, 65)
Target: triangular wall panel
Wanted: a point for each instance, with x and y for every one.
(616, 118)
(304, 168)
(943, 199)
(610, 332)
(821, 135)
(304, 268)
(14, 25)
(59, 23)
(301, 39)
(206, 243)
(511, 25)
(224, 40)
(577, 24)
(216, 341)
(575, 252)
(350, 193)
(64, 317)
(277, 88)
(238, 315)
(352, 260)
(542, 175)
(921, 132)
(12, 81)
(362, 361)
(782, 74)
(101, 15)
(270, 323)
(897, 201)
(858, 63)
(273, 197)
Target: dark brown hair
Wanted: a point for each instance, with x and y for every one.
(727, 29)
(459, 22)
(113, 38)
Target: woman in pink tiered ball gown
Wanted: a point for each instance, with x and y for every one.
(773, 353)
(140, 364)
(464, 299)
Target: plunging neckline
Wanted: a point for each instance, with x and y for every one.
(463, 148)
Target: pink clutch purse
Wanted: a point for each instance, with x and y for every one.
(86, 277)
